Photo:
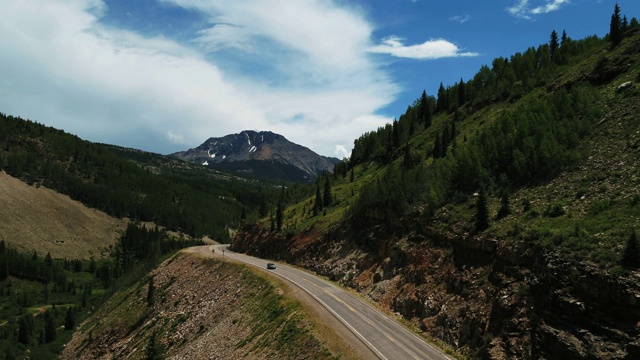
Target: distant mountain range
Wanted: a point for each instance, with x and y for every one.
(261, 154)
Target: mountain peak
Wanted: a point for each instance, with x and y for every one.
(261, 154)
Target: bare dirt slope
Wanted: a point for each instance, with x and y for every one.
(36, 218)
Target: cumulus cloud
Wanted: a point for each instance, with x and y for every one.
(428, 50)
(522, 8)
(62, 65)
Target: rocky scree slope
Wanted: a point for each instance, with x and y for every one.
(199, 309)
(260, 154)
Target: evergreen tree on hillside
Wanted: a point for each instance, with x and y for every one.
(424, 111)
(151, 293)
(505, 208)
(4, 269)
(279, 216)
(441, 103)
(631, 255)
(615, 28)
(564, 38)
(49, 327)
(317, 208)
(154, 348)
(482, 212)
(25, 329)
(553, 44)
(437, 147)
(327, 198)
(69, 319)
(462, 94)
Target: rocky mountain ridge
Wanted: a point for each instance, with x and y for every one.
(260, 154)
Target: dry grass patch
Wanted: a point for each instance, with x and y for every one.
(40, 219)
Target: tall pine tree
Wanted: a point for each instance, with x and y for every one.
(631, 255)
(327, 198)
(615, 28)
(482, 212)
(554, 44)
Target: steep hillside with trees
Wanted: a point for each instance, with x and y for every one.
(500, 215)
(129, 183)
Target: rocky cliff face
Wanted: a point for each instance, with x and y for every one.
(262, 154)
(486, 299)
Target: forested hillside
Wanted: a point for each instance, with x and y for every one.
(498, 215)
(129, 183)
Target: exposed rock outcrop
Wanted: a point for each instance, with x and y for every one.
(485, 298)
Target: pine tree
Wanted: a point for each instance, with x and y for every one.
(25, 329)
(70, 319)
(395, 135)
(279, 216)
(49, 327)
(437, 147)
(319, 201)
(553, 45)
(154, 348)
(505, 208)
(441, 103)
(408, 158)
(482, 213)
(564, 38)
(462, 96)
(327, 198)
(150, 292)
(4, 269)
(352, 176)
(615, 28)
(424, 113)
(631, 255)
(48, 259)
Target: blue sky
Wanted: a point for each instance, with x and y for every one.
(165, 75)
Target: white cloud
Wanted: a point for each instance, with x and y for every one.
(61, 65)
(176, 138)
(549, 7)
(522, 9)
(428, 50)
(341, 152)
(460, 18)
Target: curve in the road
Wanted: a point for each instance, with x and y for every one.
(383, 335)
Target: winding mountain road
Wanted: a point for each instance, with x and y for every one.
(384, 337)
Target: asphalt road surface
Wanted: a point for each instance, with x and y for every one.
(385, 337)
